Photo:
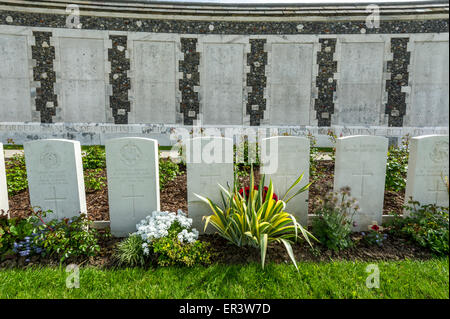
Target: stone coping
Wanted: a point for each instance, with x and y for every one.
(216, 10)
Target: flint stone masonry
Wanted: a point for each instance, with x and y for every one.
(55, 177)
(236, 66)
(361, 165)
(284, 159)
(3, 187)
(209, 162)
(133, 182)
(427, 168)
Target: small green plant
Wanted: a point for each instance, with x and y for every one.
(171, 252)
(130, 252)
(374, 235)
(93, 180)
(12, 230)
(333, 223)
(258, 219)
(168, 171)
(397, 166)
(428, 225)
(94, 157)
(16, 174)
(63, 238)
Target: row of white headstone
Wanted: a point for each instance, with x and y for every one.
(55, 175)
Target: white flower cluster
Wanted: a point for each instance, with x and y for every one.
(157, 225)
(188, 237)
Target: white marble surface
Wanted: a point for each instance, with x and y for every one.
(429, 84)
(82, 81)
(223, 83)
(427, 167)
(15, 97)
(55, 177)
(290, 86)
(204, 173)
(360, 84)
(133, 182)
(154, 82)
(361, 165)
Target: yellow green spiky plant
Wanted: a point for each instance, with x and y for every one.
(257, 220)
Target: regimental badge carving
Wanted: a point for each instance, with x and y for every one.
(439, 152)
(50, 159)
(130, 154)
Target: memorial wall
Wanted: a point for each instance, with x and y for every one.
(103, 69)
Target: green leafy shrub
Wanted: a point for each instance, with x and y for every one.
(171, 252)
(12, 230)
(397, 166)
(428, 225)
(168, 171)
(94, 157)
(130, 252)
(93, 180)
(16, 174)
(258, 219)
(333, 223)
(165, 238)
(63, 238)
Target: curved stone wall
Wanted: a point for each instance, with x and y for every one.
(142, 69)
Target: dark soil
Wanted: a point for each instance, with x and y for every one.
(392, 249)
(174, 195)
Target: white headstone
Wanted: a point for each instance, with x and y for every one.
(55, 177)
(133, 182)
(361, 165)
(3, 187)
(283, 160)
(209, 162)
(427, 168)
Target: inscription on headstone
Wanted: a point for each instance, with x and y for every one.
(133, 182)
(55, 177)
(361, 165)
(428, 170)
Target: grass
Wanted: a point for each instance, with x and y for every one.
(343, 279)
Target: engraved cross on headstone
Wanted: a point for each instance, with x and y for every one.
(55, 200)
(133, 198)
(436, 190)
(363, 174)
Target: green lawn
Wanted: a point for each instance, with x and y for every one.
(403, 279)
